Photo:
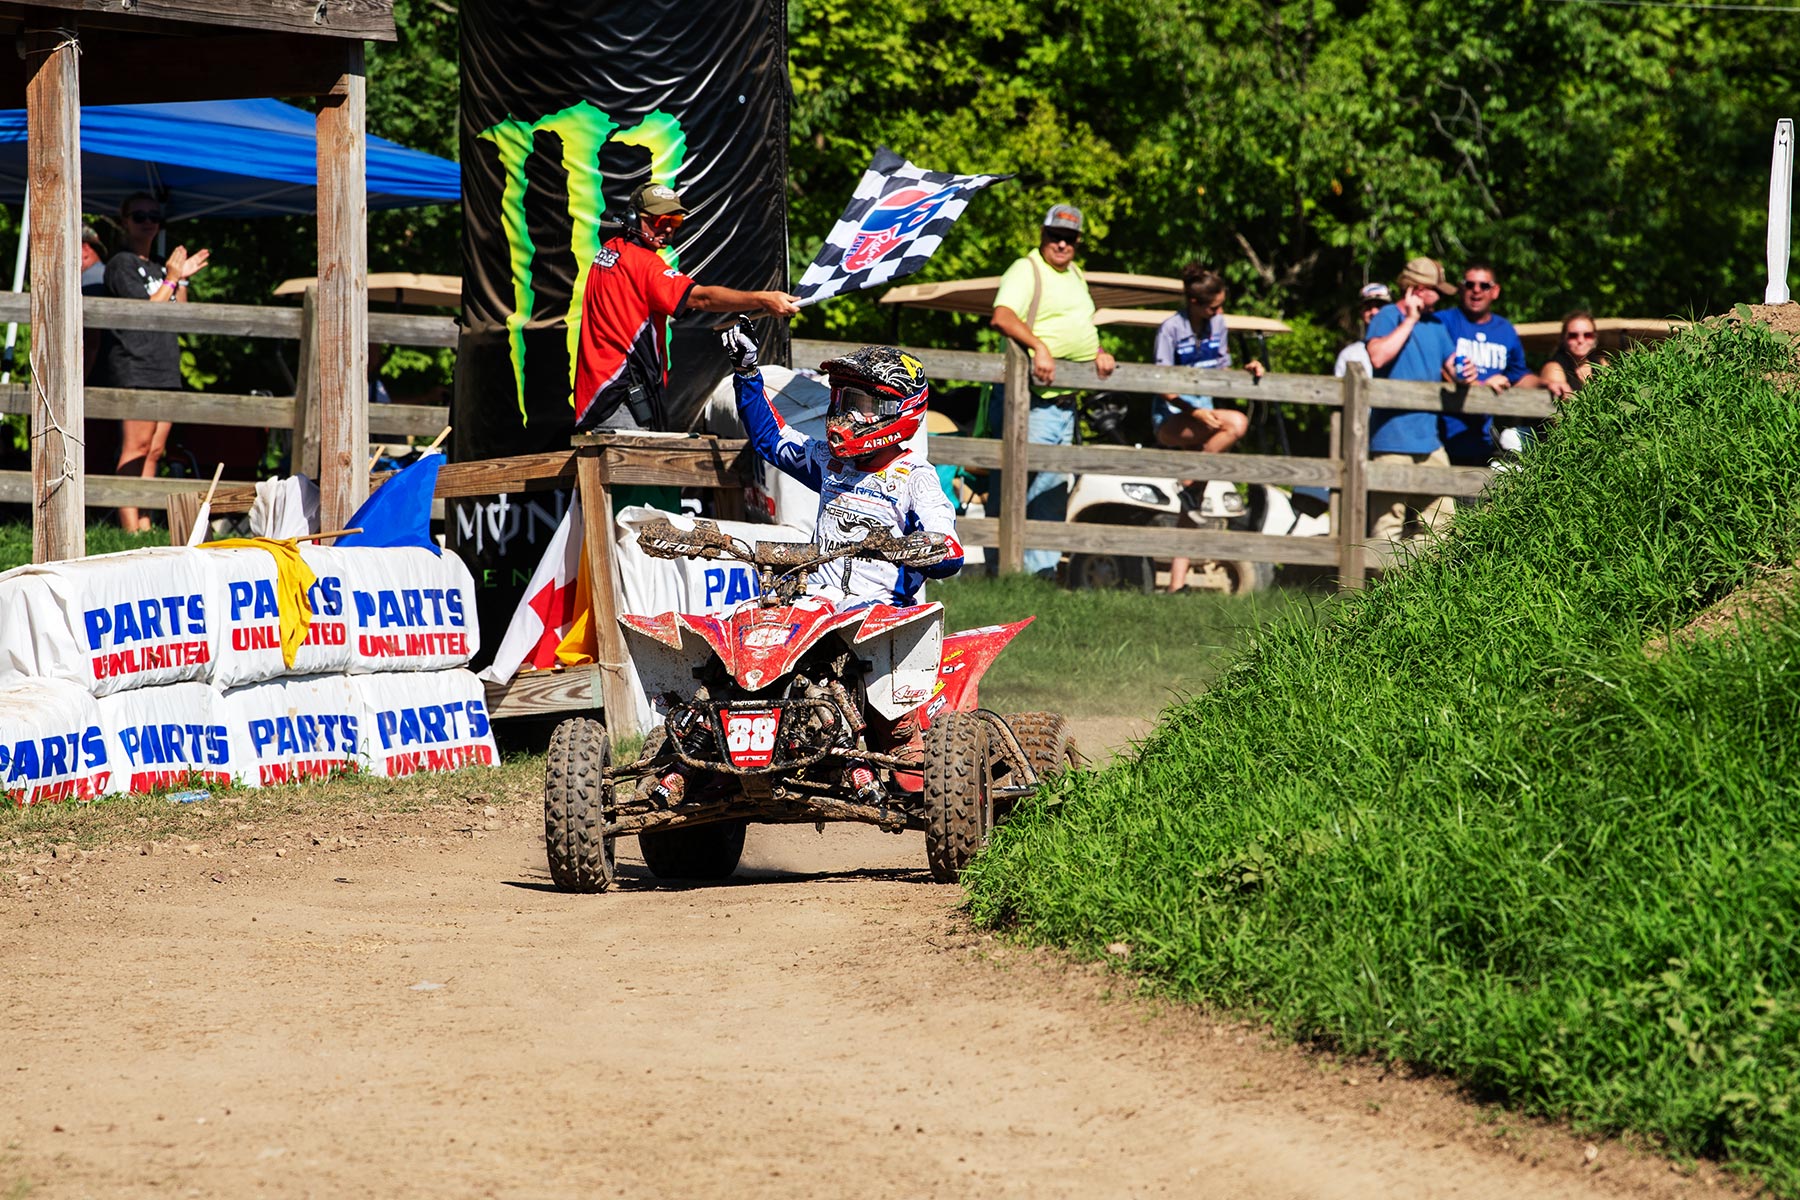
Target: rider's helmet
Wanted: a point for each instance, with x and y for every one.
(878, 398)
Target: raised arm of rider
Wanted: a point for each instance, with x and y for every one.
(726, 300)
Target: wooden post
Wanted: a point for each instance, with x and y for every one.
(53, 194)
(1335, 450)
(305, 457)
(595, 497)
(343, 314)
(1013, 439)
(183, 510)
(1353, 527)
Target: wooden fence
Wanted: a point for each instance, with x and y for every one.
(299, 413)
(1345, 469)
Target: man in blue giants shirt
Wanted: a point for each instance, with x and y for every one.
(1494, 358)
(1408, 341)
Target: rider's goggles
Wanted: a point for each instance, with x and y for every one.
(861, 406)
(668, 223)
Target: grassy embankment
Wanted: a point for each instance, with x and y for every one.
(1466, 821)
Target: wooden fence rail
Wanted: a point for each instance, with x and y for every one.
(298, 413)
(1346, 471)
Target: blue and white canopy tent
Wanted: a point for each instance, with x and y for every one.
(221, 158)
(215, 158)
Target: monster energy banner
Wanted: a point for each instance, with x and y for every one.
(565, 109)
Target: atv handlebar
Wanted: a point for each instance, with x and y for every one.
(662, 538)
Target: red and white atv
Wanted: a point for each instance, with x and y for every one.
(789, 711)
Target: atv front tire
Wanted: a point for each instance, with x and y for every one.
(578, 804)
(958, 808)
(707, 852)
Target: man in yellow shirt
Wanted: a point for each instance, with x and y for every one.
(1043, 304)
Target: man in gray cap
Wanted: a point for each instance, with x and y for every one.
(1371, 300)
(1043, 304)
(1407, 341)
(631, 293)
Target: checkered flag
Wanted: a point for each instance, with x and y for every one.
(895, 221)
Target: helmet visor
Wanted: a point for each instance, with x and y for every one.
(862, 407)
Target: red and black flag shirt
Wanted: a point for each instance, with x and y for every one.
(631, 292)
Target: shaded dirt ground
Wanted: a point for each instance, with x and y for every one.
(347, 1003)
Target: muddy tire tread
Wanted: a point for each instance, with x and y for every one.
(956, 782)
(704, 852)
(576, 807)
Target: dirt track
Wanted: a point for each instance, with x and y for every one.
(413, 1012)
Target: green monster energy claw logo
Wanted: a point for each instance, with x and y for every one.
(583, 130)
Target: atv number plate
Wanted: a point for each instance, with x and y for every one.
(750, 735)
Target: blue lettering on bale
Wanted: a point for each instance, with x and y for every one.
(408, 608)
(156, 745)
(141, 620)
(432, 724)
(326, 596)
(305, 733)
(56, 754)
(258, 595)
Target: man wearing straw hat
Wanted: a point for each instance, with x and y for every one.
(1406, 341)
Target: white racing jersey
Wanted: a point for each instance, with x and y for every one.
(902, 497)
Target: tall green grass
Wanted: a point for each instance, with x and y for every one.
(1466, 822)
(15, 541)
(1110, 653)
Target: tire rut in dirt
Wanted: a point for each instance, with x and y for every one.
(577, 807)
(704, 852)
(958, 812)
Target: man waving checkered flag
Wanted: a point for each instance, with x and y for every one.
(895, 221)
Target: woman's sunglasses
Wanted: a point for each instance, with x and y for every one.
(1576, 335)
(146, 216)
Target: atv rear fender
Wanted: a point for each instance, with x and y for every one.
(967, 656)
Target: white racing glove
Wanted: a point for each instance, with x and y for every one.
(740, 346)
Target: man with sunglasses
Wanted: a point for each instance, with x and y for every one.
(621, 371)
(140, 358)
(1043, 304)
(1492, 356)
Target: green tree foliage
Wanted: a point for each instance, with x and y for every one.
(1614, 157)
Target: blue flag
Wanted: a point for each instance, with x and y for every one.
(399, 513)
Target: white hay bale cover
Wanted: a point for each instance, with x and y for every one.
(52, 744)
(406, 609)
(168, 736)
(245, 598)
(305, 727)
(116, 621)
(424, 721)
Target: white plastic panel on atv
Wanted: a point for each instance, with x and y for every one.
(904, 658)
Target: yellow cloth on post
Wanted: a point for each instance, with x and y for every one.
(579, 645)
(292, 579)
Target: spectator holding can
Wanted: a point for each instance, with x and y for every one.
(1488, 352)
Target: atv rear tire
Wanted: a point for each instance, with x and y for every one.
(578, 804)
(1049, 746)
(707, 852)
(958, 808)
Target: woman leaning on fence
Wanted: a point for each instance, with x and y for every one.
(140, 358)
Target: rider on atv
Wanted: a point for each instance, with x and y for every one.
(866, 477)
